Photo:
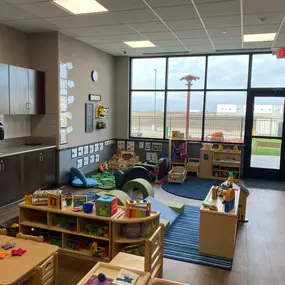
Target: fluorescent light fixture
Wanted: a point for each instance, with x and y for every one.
(80, 6)
(268, 37)
(140, 44)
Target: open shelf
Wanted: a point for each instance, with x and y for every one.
(83, 252)
(130, 240)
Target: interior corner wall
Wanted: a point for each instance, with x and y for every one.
(14, 50)
(44, 56)
(122, 70)
(85, 59)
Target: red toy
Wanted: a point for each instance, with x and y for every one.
(18, 252)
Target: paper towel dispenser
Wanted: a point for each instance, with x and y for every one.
(1, 132)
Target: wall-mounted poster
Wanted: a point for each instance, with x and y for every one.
(79, 163)
(80, 151)
(141, 144)
(96, 147)
(92, 158)
(130, 146)
(63, 70)
(63, 87)
(85, 149)
(97, 158)
(150, 157)
(74, 153)
(147, 146)
(86, 160)
(121, 145)
(63, 120)
(101, 146)
(91, 148)
(63, 103)
(63, 136)
(156, 146)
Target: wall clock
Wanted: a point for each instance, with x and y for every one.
(94, 75)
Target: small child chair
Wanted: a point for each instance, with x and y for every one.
(79, 179)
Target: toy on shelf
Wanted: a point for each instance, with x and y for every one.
(66, 222)
(103, 166)
(96, 230)
(177, 135)
(28, 198)
(68, 199)
(229, 200)
(106, 206)
(79, 200)
(73, 245)
(228, 149)
(235, 149)
(136, 249)
(220, 148)
(40, 197)
(132, 230)
(177, 174)
(55, 201)
(123, 160)
(88, 208)
(138, 208)
(99, 251)
(230, 180)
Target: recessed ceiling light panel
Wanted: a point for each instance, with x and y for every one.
(80, 6)
(140, 44)
(268, 37)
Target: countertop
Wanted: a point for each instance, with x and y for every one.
(13, 150)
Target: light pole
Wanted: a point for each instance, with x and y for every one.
(154, 111)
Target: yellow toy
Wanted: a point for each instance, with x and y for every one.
(220, 148)
(138, 208)
(235, 149)
(100, 113)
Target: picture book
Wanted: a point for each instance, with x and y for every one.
(125, 277)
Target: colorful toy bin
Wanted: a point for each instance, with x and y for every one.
(87, 208)
(106, 206)
(68, 199)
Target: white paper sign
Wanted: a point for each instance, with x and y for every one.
(121, 145)
(79, 163)
(80, 151)
(150, 157)
(156, 147)
(92, 158)
(130, 146)
(97, 159)
(85, 149)
(147, 146)
(86, 160)
(141, 144)
(101, 146)
(96, 147)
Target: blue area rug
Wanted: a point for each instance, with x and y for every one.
(182, 240)
(192, 188)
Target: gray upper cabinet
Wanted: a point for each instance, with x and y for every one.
(4, 89)
(19, 90)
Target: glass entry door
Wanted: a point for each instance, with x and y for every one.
(264, 149)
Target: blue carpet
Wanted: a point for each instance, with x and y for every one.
(182, 240)
(192, 188)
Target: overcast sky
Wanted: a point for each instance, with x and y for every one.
(224, 72)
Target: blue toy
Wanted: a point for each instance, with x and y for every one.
(79, 179)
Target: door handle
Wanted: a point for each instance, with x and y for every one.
(42, 158)
(3, 166)
(27, 106)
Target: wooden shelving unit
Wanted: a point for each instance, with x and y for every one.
(47, 226)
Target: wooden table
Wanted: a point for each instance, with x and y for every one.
(15, 269)
(111, 271)
(218, 228)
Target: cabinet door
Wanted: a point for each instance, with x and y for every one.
(19, 94)
(48, 174)
(11, 177)
(32, 169)
(4, 89)
(36, 92)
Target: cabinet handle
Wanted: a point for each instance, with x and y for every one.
(0, 167)
(30, 106)
(27, 106)
(42, 158)
(3, 166)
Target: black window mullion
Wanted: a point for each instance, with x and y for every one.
(165, 136)
(204, 100)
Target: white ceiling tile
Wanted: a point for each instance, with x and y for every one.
(227, 46)
(260, 29)
(98, 30)
(280, 43)
(165, 3)
(222, 21)
(200, 49)
(26, 1)
(176, 12)
(149, 27)
(105, 18)
(196, 42)
(111, 46)
(224, 32)
(32, 25)
(174, 49)
(226, 39)
(281, 36)
(111, 38)
(271, 18)
(191, 34)
(169, 43)
(159, 36)
(224, 8)
(257, 45)
(185, 24)
(116, 5)
(44, 9)
(14, 13)
(253, 6)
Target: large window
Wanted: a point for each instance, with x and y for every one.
(217, 97)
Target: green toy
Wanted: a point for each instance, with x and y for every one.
(136, 249)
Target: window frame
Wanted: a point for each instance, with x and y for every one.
(205, 90)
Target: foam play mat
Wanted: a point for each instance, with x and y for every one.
(106, 180)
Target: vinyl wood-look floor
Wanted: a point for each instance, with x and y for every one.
(259, 255)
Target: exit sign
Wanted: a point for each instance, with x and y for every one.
(281, 53)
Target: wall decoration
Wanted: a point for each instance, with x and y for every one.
(69, 65)
(121, 145)
(94, 75)
(63, 120)
(69, 129)
(94, 97)
(68, 115)
(63, 103)
(79, 163)
(130, 146)
(86, 160)
(101, 125)
(91, 148)
(109, 142)
(74, 153)
(63, 70)
(96, 147)
(89, 117)
(80, 151)
(150, 157)
(63, 136)
(97, 158)
(101, 146)
(106, 112)
(85, 149)
(156, 146)
(70, 84)
(92, 158)
(147, 146)
(63, 87)
(141, 144)
(70, 99)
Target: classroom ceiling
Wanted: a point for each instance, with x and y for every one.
(173, 26)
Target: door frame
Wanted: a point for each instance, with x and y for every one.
(262, 173)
